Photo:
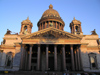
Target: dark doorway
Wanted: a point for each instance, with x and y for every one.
(51, 63)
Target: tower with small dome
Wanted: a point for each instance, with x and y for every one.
(26, 27)
(75, 27)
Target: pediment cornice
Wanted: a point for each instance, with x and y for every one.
(51, 33)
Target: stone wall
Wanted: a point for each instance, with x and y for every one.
(91, 41)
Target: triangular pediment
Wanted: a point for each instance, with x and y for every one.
(51, 33)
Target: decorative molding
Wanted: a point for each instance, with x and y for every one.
(31, 45)
(10, 38)
(91, 38)
(51, 41)
(8, 47)
(92, 48)
(17, 44)
(84, 43)
(23, 45)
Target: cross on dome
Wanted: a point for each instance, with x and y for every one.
(50, 6)
(74, 18)
(28, 18)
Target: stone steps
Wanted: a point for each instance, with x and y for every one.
(32, 73)
(42, 73)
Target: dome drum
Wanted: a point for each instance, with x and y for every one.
(51, 19)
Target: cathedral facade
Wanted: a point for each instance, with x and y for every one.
(50, 48)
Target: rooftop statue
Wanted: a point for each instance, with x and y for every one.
(8, 32)
(93, 32)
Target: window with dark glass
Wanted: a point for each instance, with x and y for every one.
(93, 60)
(9, 59)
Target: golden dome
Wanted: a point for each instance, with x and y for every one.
(50, 12)
(51, 15)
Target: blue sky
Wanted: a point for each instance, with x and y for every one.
(13, 12)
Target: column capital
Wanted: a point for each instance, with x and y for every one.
(71, 45)
(75, 52)
(63, 44)
(77, 49)
(23, 45)
(39, 45)
(79, 46)
(55, 44)
(47, 45)
(31, 45)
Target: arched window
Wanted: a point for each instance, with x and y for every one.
(9, 60)
(25, 30)
(93, 60)
(43, 25)
(76, 29)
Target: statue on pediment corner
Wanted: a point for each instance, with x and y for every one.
(93, 32)
(8, 32)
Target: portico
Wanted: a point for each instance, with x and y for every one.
(51, 57)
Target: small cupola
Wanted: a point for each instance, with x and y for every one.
(75, 27)
(26, 27)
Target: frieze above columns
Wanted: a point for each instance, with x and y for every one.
(51, 41)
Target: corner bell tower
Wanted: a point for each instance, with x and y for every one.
(26, 27)
(75, 27)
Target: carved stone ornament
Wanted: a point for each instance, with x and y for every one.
(49, 36)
